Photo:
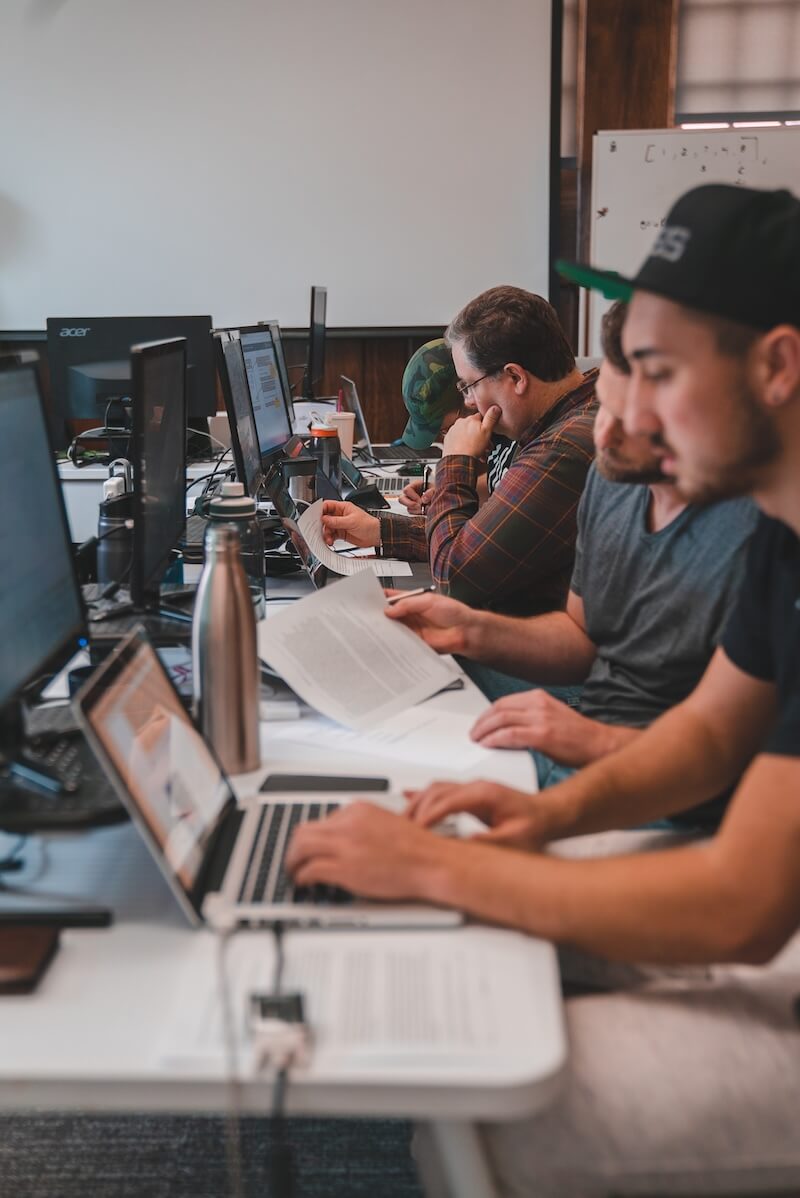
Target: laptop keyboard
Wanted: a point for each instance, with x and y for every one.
(392, 483)
(404, 453)
(266, 879)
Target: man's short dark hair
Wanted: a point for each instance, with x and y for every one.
(611, 336)
(732, 339)
(508, 324)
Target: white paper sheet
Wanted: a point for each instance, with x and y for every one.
(340, 653)
(420, 734)
(405, 1005)
(310, 525)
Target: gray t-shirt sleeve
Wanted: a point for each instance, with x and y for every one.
(583, 520)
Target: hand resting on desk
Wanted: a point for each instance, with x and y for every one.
(535, 719)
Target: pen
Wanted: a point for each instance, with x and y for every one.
(408, 594)
(426, 474)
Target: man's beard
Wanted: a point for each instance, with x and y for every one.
(618, 472)
(755, 445)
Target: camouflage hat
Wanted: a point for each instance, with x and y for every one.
(429, 392)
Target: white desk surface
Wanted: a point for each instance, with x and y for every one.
(93, 1036)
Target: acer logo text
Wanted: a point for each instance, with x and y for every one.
(78, 332)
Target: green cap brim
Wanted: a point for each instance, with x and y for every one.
(417, 436)
(608, 282)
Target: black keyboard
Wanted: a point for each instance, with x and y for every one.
(195, 531)
(265, 878)
(86, 799)
(404, 453)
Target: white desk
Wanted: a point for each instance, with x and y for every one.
(83, 490)
(93, 1035)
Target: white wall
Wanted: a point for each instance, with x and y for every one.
(194, 156)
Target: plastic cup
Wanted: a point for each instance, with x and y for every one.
(344, 423)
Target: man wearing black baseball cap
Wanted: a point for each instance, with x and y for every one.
(680, 1080)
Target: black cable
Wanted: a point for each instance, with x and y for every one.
(12, 863)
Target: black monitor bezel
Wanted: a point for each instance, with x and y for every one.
(267, 459)
(143, 590)
(316, 369)
(225, 343)
(280, 357)
(206, 404)
(77, 638)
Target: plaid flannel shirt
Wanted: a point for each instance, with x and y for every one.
(515, 553)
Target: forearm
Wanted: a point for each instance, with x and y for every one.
(550, 649)
(667, 907)
(675, 764)
(403, 537)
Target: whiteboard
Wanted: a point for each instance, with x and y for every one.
(637, 176)
(192, 156)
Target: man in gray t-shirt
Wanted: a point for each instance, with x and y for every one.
(653, 582)
(654, 602)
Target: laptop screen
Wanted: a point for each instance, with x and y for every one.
(353, 404)
(162, 764)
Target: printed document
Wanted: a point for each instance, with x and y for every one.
(310, 525)
(338, 651)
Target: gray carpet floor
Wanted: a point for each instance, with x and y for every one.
(170, 1156)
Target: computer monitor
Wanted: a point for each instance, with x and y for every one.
(273, 422)
(315, 361)
(42, 620)
(89, 360)
(280, 358)
(244, 435)
(159, 463)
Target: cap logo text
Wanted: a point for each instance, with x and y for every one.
(671, 243)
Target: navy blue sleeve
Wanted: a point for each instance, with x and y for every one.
(746, 639)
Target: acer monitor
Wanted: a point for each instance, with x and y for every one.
(158, 373)
(42, 619)
(90, 363)
(315, 360)
(244, 434)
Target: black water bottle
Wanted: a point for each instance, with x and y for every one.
(114, 533)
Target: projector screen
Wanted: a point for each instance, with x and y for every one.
(191, 156)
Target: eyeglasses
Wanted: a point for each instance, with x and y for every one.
(464, 389)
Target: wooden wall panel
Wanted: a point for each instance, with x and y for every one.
(626, 78)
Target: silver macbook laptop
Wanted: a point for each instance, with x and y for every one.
(362, 440)
(223, 858)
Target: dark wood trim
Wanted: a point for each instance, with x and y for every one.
(626, 78)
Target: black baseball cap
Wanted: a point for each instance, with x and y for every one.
(729, 251)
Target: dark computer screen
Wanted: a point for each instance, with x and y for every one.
(244, 435)
(159, 461)
(266, 394)
(283, 373)
(315, 363)
(89, 359)
(41, 614)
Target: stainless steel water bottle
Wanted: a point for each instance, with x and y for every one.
(232, 506)
(225, 668)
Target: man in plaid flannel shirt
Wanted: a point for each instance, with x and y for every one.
(514, 553)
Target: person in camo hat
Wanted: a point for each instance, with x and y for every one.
(430, 394)
(434, 404)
